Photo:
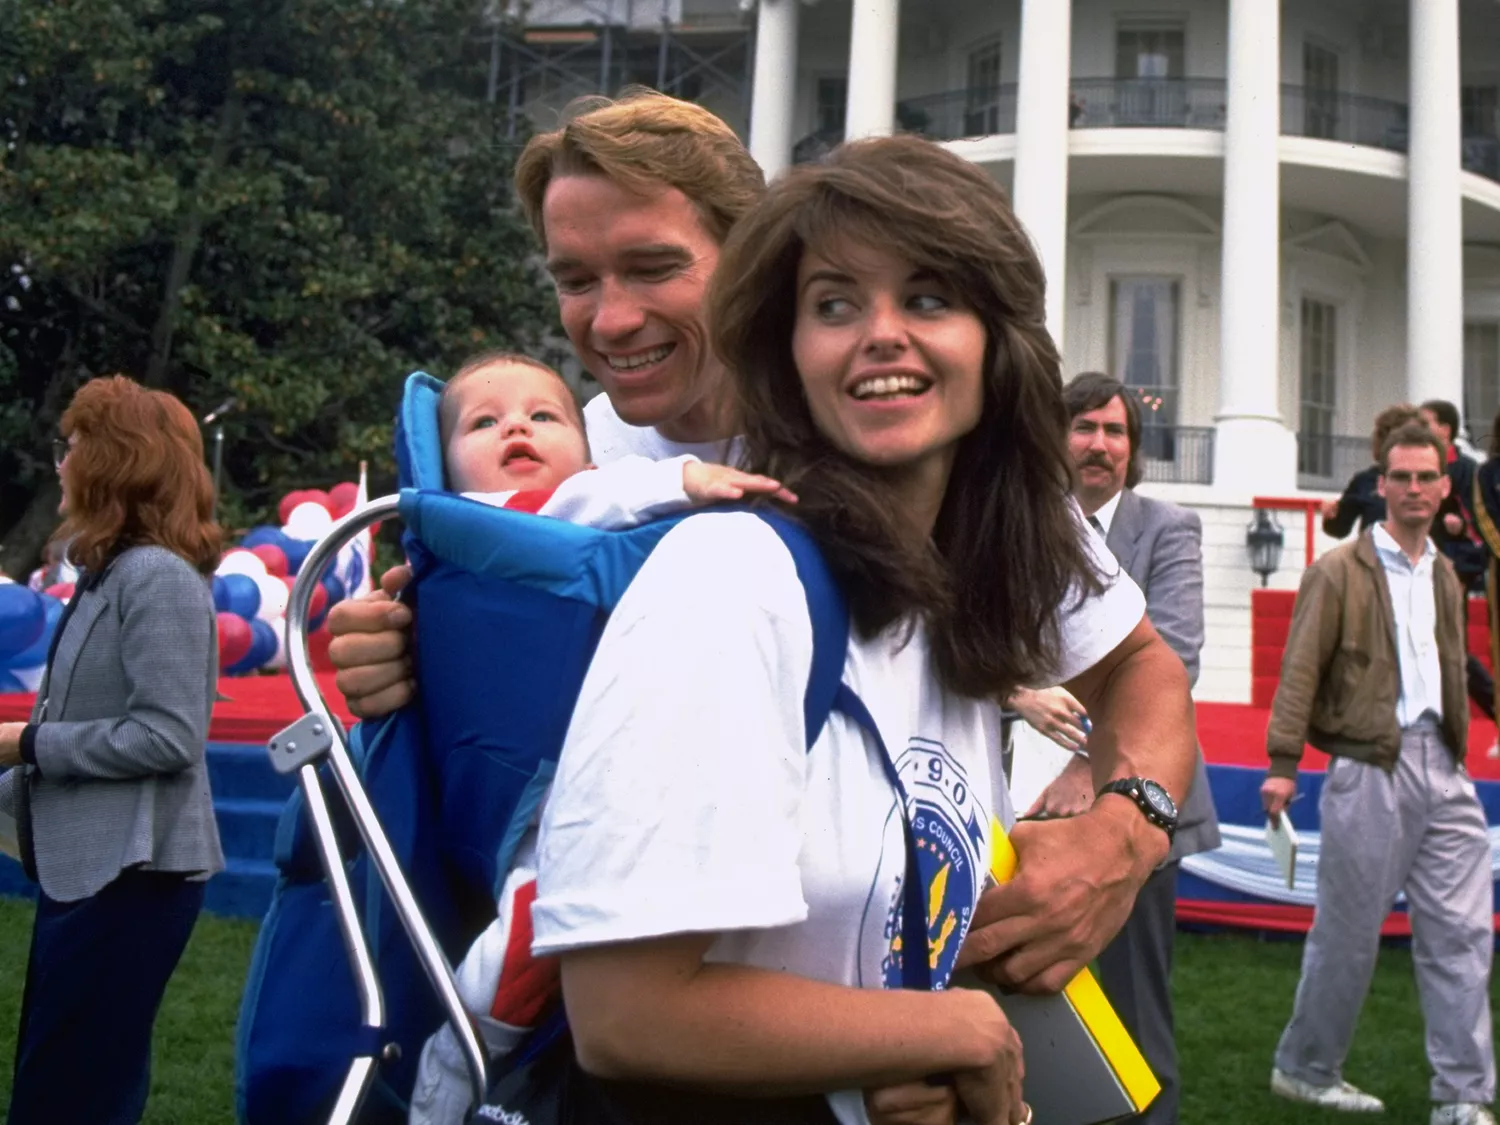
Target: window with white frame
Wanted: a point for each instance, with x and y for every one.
(1320, 91)
(1149, 68)
(1318, 393)
(831, 103)
(1481, 380)
(982, 94)
(1144, 345)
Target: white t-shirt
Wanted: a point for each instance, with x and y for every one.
(686, 800)
(611, 438)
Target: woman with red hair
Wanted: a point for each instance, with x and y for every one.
(108, 782)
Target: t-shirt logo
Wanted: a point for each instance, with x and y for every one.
(951, 841)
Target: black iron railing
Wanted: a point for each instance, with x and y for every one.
(1177, 454)
(1146, 103)
(1327, 461)
(1168, 103)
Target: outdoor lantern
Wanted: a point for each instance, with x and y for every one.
(1264, 540)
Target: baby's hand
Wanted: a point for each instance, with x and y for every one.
(706, 484)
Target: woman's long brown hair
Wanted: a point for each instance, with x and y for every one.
(1007, 555)
(136, 476)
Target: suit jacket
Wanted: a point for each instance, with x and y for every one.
(1160, 546)
(120, 778)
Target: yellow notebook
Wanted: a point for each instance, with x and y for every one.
(1082, 1067)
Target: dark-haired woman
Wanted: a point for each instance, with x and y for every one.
(701, 873)
(108, 781)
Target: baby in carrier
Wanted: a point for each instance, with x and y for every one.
(513, 436)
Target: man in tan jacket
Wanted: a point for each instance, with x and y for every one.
(1373, 675)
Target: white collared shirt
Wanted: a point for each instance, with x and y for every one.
(1415, 608)
(1106, 513)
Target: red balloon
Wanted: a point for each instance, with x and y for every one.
(341, 498)
(235, 639)
(274, 558)
(62, 591)
(317, 650)
(319, 598)
(288, 502)
(315, 496)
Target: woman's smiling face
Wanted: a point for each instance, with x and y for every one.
(891, 361)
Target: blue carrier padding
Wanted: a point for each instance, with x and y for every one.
(509, 608)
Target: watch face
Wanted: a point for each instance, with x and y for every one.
(1159, 800)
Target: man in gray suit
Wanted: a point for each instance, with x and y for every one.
(1160, 545)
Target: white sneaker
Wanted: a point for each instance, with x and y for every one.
(1341, 1096)
(1461, 1113)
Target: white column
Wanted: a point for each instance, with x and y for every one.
(1253, 450)
(774, 93)
(1041, 178)
(1434, 230)
(871, 109)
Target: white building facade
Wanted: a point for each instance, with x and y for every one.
(1269, 220)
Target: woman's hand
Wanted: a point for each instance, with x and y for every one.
(10, 744)
(912, 1103)
(991, 1092)
(1053, 712)
(1453, 523)
(706, 483)
(371, 636)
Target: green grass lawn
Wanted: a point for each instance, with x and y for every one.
(1233, 995)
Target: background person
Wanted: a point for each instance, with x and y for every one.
(1160, 545)
(1385, 699)
(632, 201)
(108, 782)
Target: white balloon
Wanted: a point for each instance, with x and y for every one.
(308, 520)
(278, 659)
(241, 561)
(273, 599)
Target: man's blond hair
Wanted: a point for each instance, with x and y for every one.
(643, 141)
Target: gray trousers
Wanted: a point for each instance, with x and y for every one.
(1420, 830)
(1135, 970)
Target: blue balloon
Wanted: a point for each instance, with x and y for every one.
(265, 533)
(36, 654)
(262, 648)
(296, 551)
(22, 619)
(9, 683)
(221, 595)
(241, 596)
(335, 587)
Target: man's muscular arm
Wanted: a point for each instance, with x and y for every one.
(1076, 879)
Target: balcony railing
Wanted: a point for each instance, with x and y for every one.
(1327, 461)
(1167, 103)
(1177, 454)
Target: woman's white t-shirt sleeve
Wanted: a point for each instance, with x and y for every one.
(677, 803)
(1090, 630)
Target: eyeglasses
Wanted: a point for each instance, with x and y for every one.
(1403, 479)
(60, 449)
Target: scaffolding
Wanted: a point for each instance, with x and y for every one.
(545, 53)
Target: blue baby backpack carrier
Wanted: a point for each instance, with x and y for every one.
(454, 779)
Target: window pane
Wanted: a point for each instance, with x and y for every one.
(1481, 380)
(1144, 331)
(1320, 81)
(1318, 375)
(982, 98)
(833, 98)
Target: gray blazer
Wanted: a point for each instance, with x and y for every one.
(1160, 546)
(120, 778)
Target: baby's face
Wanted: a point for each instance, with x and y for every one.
(510, 426)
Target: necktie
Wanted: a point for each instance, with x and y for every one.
(1096, 525)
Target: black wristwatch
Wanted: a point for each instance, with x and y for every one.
(1151, 798)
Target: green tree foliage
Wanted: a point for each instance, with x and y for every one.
(288, 202)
